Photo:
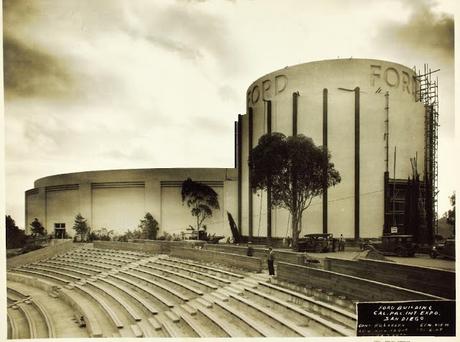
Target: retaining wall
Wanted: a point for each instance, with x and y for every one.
(262, 253)
(147, 246)
(57, 247)
(428, 280)
(342, 284)
(227, 259)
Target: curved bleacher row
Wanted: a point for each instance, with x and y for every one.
(117, 293)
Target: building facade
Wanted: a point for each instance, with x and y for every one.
(118, 199)
(362, 110)
(367, 112)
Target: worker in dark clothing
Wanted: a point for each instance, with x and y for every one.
(334, 244)
(271, 261)
(341, 243)
(250, 250)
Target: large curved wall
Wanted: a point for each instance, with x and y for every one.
(341, 103)
(118, 199)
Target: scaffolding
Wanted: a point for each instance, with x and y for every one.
(427, 93)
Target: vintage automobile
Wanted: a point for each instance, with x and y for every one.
(319, 243)
(395, 244)
(444, 249)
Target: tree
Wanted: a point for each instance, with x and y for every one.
(80, 226)
(450, 215)
(295, 170)
(37, 228)
(149, 227)
(201, 198)
(15, 237)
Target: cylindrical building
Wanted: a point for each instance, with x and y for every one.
(368, 115)
(118, 199)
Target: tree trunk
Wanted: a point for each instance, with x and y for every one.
(295, 229)
(197, 223)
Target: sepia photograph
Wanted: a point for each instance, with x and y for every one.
(229, 169)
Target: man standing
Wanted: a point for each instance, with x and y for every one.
(271, 261)
(249, 250)
(341, 243)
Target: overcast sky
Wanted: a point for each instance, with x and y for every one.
(108, 84)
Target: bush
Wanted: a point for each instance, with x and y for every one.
(165, 236)
(29, 248)
(100, 235)
(15, 237)
(121, 238)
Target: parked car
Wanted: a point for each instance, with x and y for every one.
(319, 243)
(400, 245)
(445, 249)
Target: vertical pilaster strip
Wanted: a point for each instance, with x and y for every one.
(357, 151)
(250, 144)
(294, 112)
(269, 190)
(26, 218)
(235, 144)
(269, 116)
(240, 170)
(325, 221)
(386, 202)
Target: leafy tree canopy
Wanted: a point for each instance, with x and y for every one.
(15, 237)
(295, 170)
(149, 227)
(37, 228)
(451, 213)
(201, 198)
(80, 226)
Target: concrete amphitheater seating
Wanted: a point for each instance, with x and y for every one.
(103, 291)
(133, 293)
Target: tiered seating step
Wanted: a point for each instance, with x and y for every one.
(157, 284)
(106, 307)
(181, 275)
(146, 289)
(147, 304)
(172, 316)
(40, 274)
(136, 330)
(209, 268)
(124, 303)
(199, 273)
(213, 317)
(49, 323)
(275, 316)
(197, 328)
(325, 309)
(244, 318)
(172, 281)
(154, 322)
(312, 317)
